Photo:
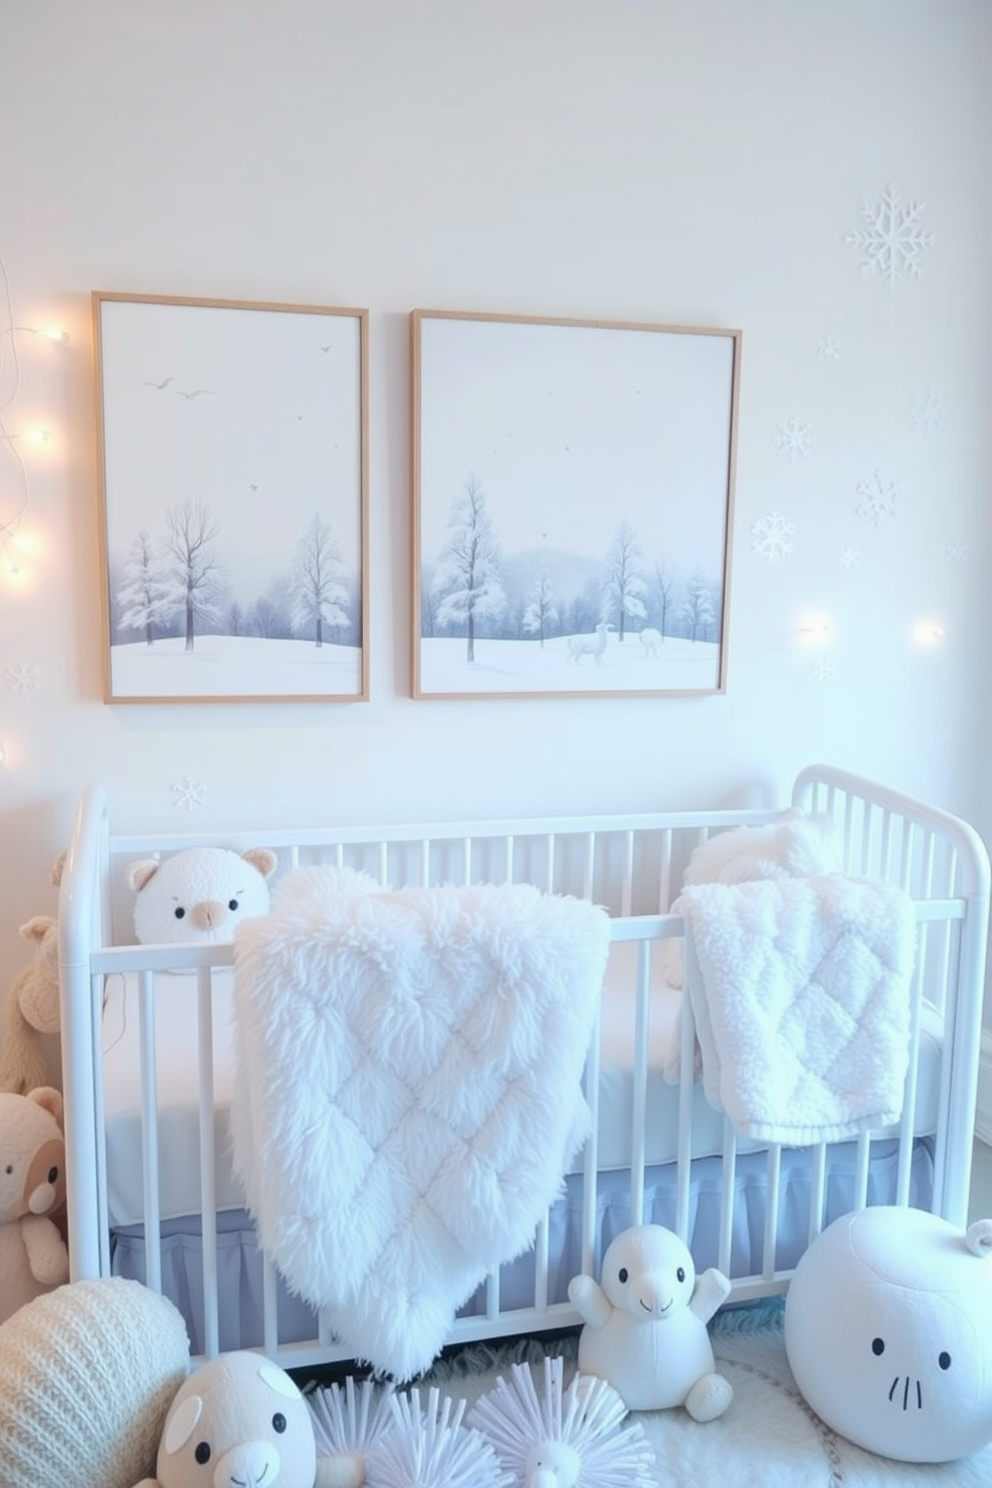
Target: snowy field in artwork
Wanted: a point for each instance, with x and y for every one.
(235, 666)
(525, 666)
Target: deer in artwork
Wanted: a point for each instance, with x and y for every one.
(588, 645)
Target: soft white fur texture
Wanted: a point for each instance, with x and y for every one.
(802, 1003)
(408, 1091)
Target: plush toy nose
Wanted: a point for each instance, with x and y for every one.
(906, 1393)
(247, 1466)
(651, 1298)
(208, 914)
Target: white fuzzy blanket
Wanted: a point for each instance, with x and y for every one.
(802, 1003)
(408, 1091)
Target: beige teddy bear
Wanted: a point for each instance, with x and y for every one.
(33, 1255)
(29, 1053)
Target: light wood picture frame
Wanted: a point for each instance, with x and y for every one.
(232, 457)
(572, 499)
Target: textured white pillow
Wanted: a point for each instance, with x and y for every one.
(87, 1375)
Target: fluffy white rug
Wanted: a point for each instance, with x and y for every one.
(768, 1438)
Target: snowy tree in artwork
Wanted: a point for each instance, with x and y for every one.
(194, 574)
(319, 596)
(143, 593)
(698, 609)
(625, 584)
(467, 581)
(541, 612)
(892, 242)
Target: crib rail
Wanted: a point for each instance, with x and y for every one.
(633, 864)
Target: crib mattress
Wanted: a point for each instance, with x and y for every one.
(178, 1097)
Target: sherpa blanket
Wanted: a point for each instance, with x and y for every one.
(408, 1091)
(801, 1003)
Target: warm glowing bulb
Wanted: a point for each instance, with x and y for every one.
(25, 543)
(3, 755)
(38, 436)
(815, 629)
(928, 632)
(55, 334)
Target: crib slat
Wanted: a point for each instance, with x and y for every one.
(149, 1132)
(208, 1176)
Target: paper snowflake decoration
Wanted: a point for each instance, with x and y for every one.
(23, 678)
(879, 498)
(957, 551)
(849, 556)
(949, 735)
(823, 671)
(828, 349)
(188, 794)
(794, 438)
(892, 242)
(927, 412)
(771, 537)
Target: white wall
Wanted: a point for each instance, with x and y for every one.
(626, 159)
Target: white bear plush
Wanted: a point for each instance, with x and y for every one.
(199, 895)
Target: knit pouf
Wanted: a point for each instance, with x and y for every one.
(87, 1374)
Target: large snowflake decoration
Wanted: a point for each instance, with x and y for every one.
(957, 551)
(892, 242)
(927, 412)
(828, 349)
(849, 556)
(879, 498)
(23, 678)
(188, 794)
(771, 536)
(823, 671)
(794, 438)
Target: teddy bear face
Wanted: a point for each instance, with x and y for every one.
(32, 1157)
(199, 895)
(238, 1419)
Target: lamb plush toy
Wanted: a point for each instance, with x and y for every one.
(199, 895)
(645, 1327)
(238, 1419)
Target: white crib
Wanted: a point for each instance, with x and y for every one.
(146, 1068)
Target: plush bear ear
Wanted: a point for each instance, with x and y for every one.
(262, 858)
(49, 1099)
(141, 873)
(56, 870)
(36, 927)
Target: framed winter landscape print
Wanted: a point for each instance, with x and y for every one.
(232, 459)
(572, 506)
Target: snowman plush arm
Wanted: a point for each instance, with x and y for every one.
(591, 1301)
(711, 1290)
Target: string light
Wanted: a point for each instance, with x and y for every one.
(928, 632)
(15, 502)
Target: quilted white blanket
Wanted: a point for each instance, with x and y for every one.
(408, 1091)
(802, 1003)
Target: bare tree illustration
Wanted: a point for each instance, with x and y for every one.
(625, 579)
(143, 593)
(541, 612)
(698, 610)
(664, 590)
(467, 580)
(319, 595)
(195, 574)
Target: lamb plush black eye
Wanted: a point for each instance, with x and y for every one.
(202, 1453)
(232, 903)
(680, 1274)
(180, 913)
(279, 1422)
(623, 1274)
(878, 1346)
(944, 1359)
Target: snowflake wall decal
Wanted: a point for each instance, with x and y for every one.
(794, 438)
(927, 412)
(949, 735)
(188, 794)
(957, 551)
(828, 349)
(771, 537)
(849, 556)
(892, 242)
(879, 498)
(823, 671)
(23, 678)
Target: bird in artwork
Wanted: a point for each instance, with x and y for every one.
(159, 385)
(196, 393)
